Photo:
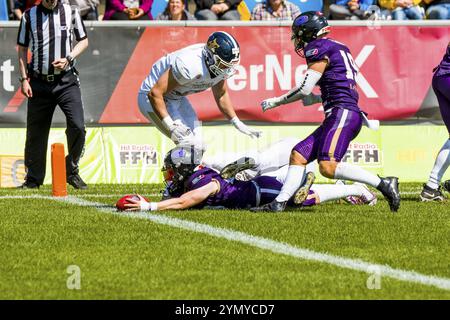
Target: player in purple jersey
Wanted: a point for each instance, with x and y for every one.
(331, 66)
(441, 86)
(195, 186)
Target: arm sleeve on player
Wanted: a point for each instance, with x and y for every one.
(306, 87)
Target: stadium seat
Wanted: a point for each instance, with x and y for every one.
(158, 7)
(3, 10)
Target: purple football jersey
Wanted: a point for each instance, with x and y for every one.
(232, 194)
(338, 82)
(235, 194)
(444, 66)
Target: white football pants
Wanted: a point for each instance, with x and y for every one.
(268, 160)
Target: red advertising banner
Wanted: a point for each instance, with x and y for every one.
(394, 81)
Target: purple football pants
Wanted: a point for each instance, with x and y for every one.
(331, 140)
(441, 87)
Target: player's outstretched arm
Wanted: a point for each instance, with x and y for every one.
(312, 77)
(165, 84)
(187, 200)
(224, 104)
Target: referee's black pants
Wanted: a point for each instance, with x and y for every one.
(65, 92)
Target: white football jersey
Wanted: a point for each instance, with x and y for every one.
(188, 68)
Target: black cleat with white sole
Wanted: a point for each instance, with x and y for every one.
(274, 206)
(430, 194)
(389, 188)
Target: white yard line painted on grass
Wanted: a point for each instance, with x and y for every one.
(267, 244)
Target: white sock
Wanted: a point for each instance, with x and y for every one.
(294, 179)
(347, 171)
(440, 166)
(329, 192)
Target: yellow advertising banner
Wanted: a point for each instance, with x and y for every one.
(135, 154)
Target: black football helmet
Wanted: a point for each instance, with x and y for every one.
(307, 27)
(179, 165)
(221, 54)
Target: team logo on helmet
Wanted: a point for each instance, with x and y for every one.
(213, 45)
(301, 20)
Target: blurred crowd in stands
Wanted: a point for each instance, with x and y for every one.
(242, 9)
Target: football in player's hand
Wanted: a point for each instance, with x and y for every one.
(120, 205)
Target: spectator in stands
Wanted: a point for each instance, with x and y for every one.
(351, 9)
(217, 9)
(403, 9)
(128, 10)
(88, 8)
(275, 10)
(21, 5)
(175, 10)
(438, 9)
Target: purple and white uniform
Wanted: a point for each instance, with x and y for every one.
(235, 194)
(441, 87)
(343, 118)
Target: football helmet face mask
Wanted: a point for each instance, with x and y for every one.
(179, 165)
(221, 54)
(307, 27)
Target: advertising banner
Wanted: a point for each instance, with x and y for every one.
(136, 154)
(395, 70)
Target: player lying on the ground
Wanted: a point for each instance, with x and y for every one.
(203, 186)
(270, 161)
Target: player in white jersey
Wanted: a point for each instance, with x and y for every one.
(162, 96)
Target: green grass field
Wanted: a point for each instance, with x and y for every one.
(121, 257)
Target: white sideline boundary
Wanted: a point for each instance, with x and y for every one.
(264, 243)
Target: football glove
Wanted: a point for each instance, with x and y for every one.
(270, 103)
(242, 127)
(180, 132)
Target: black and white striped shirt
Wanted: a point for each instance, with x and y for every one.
(51, 34)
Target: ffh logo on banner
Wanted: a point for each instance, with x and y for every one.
(133, 155)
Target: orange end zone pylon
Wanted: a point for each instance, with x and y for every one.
(59, 182)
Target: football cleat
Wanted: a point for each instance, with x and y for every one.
(389, 188)
(446, 185)
(302, 193)
(233, 168)
(367, 197)
(429, 194)
(274, 206)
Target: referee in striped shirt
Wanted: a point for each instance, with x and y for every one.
(50, 79)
